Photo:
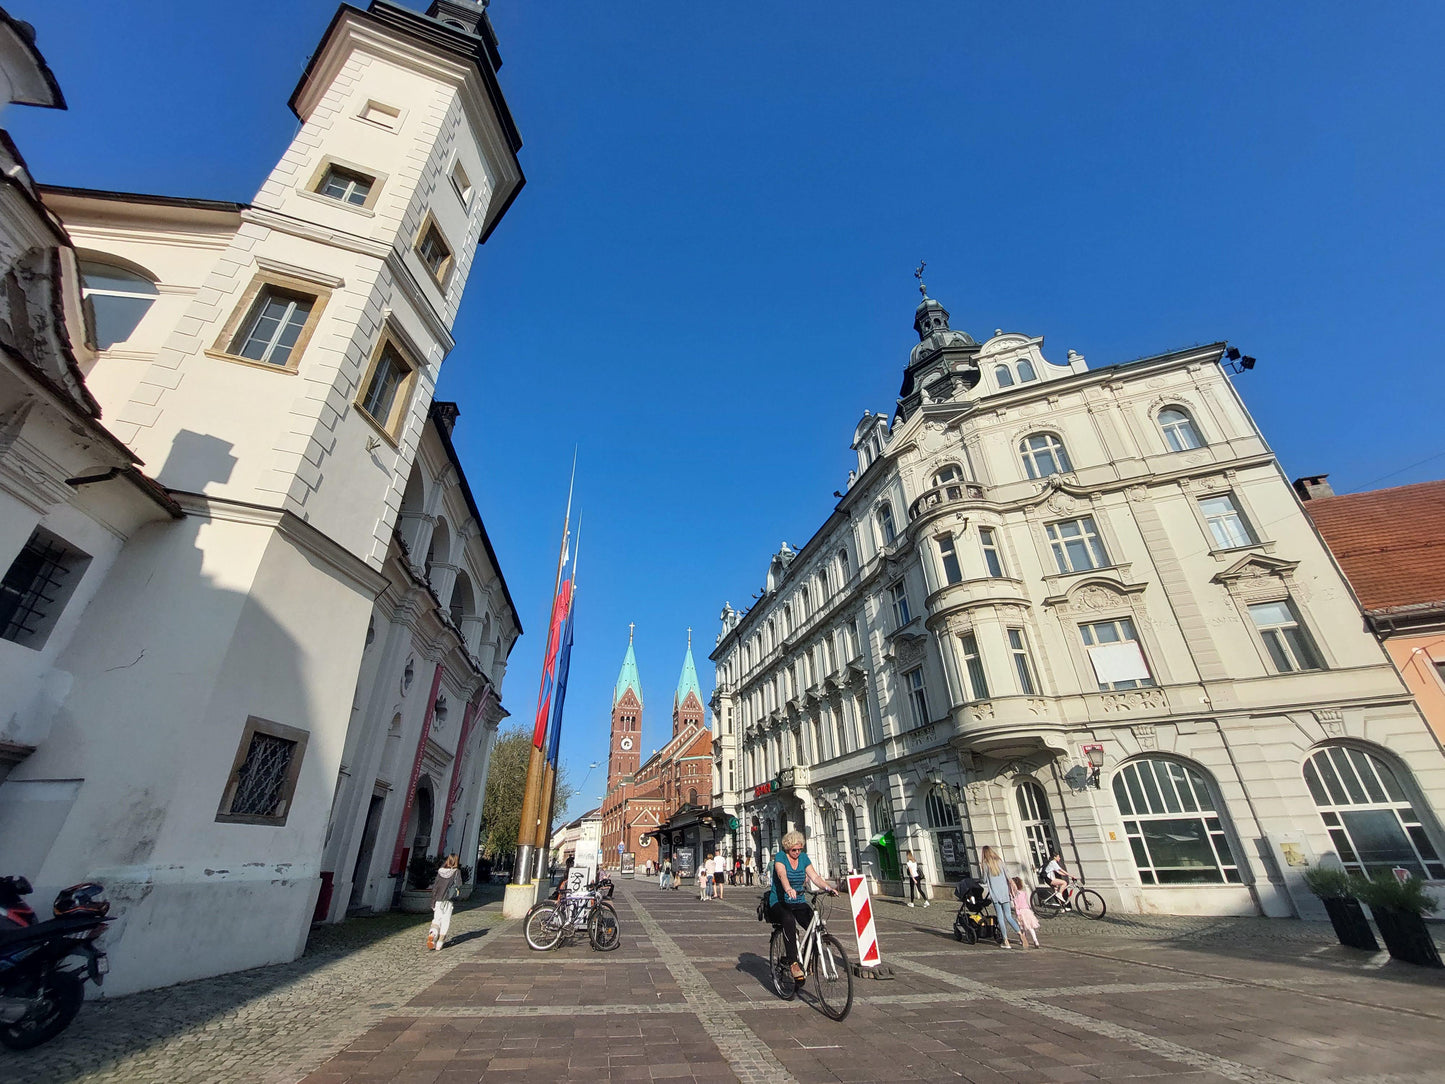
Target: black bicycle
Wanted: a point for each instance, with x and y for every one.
(1050, 901)
(548, 922)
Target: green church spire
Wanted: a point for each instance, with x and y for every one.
(688, 682)
(628, 678)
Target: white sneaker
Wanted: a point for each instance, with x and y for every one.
(925, 903)
(910, 904)
(1006, 945)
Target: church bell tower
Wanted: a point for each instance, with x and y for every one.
(625, 752)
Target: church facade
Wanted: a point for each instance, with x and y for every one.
(1074, 609)
(656, 809)
(254, 632)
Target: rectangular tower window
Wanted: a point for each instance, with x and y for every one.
(387, 116)
(263, 775)
(1023, 665)
(946, 552)
(387, 388)
(274, 326)
(1226, 525)
(462, 184)
(973, 663)
(1076, 545)
(991, 558)
(434, 252)
(346, 185)
(1289, 646)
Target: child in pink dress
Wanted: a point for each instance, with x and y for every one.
(1028, 921)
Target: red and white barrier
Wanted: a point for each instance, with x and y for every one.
(863, 929)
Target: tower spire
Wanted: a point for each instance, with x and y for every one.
(627, 678)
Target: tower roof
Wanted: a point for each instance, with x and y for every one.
(688, 681)
(627, 678)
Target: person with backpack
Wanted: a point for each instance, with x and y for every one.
(445, 889)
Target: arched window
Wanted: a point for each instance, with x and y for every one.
(1043, 454)
(1026, 371)
(804, 604)
(949, 852)
(950, 476)
(885, 523)
(843, 572)
(1179, 430)
(117, 298)
(462, 604)
(692, 797)
(850, 816)
(1003, 376)
(1176, 833)
(1371, 820)
(1038, 825)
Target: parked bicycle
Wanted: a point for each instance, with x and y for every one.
(1050, 901)
(822, 959)
(550, 921)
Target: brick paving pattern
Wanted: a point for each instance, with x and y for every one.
(686, 998)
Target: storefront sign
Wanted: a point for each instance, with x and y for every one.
(763, 789)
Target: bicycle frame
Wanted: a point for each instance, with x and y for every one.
(812, 936)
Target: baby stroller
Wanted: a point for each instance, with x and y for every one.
(975, 920)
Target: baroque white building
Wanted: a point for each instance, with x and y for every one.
(1077, 608)
(252, 631)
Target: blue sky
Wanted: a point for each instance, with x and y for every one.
(709, 274)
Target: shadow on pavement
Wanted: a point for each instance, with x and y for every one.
(750, 963)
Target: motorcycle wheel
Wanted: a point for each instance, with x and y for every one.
(62, 995)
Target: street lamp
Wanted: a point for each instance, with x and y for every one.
(1095, 753)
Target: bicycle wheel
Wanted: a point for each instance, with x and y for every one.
(781, 973)
(1046, 904)
(1089, 903)
(603, 929)
(832, 978)
(543, 926)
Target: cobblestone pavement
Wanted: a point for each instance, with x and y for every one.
(685, 998)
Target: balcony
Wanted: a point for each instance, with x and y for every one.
(943, 496)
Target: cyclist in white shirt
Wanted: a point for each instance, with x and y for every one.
(1056, 875)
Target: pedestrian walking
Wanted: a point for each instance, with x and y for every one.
(737, 868)
(445, 888)
(665, 876)
(719, 874)
(1028, 921)
(704, 880)
(915, 881)
(999, 890)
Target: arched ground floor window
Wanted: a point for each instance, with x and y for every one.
(1038, 824)
(949, 851)
(1173, 826)
(1370, 816)
(883, 842)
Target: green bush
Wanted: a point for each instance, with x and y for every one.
(421, 871)
(1384, 890)
(1330, 882)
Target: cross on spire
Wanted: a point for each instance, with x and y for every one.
(630, 626)
(922, 289)
(689, 636)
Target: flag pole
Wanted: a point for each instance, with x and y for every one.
(536, 760)
(554, 743)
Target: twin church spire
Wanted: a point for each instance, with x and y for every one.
(687, 700)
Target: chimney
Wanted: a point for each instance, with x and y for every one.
(1312, 487)
(446, 413)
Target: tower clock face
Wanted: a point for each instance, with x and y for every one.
(626, 744)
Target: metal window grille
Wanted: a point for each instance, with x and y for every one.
(31, 587)
(261, 778)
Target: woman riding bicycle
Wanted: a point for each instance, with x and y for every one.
(1057, 876)
(792, 871)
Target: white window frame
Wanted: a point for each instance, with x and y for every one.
(917, 691)
(1219, 524)
(1018, 641)
(898, 597)
(992, 554)
(1036, 445)
(1086, 533)
(1178, 432)
(974, 673)
(1345, 782)
(1181, 793)
(1124, 633)
(948, 559)
(887, 528)
(1284, 651)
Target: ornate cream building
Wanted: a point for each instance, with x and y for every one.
(1077, 608)
(252, 631)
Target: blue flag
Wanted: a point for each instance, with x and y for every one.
(564, 661)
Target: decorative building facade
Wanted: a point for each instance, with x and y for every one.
(1078, 609)
(254, 633)
(659, 808)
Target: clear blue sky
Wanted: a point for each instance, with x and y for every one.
(708, 276)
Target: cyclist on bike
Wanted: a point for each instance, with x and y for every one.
(792, 871)
(1057, 876)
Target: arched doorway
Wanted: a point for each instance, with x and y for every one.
(883, 841)
(1036, 821)
(419, 827)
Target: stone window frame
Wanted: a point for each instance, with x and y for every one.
(1274, 581)
(441, 277)
(49, 554)
(1191, 415)
(463, 185)
(1086, 603)
(261, 279)
(312, 188)
(389, 428)
(257, 725)
(379, 114)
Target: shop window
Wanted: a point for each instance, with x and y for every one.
(1370, 817)
(1174, 830)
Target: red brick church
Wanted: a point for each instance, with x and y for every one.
(660, 808)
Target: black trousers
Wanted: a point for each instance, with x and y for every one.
(790, 917)
(916, 889)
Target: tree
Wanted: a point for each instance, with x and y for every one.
(506, 785)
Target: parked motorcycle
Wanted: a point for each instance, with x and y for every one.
(44, 965)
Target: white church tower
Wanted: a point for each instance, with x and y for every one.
(189, 714)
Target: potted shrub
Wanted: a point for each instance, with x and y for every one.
(1336, 890)
(1398, 907)
(420, 872)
